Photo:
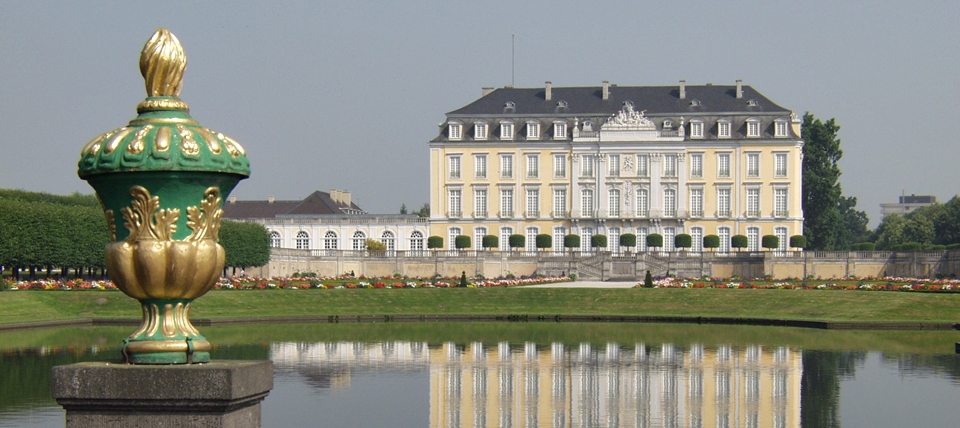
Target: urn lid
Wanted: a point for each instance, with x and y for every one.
(163, 136)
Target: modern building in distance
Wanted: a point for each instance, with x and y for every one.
(696, 159)
(907, 204)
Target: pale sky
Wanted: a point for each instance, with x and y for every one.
(346, 95)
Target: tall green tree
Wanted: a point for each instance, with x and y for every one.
(853, 227)
(245, 244)
(821, 182)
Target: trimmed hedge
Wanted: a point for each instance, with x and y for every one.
(770, 242)
(628, 240)
(571, 241)
(711, 241)
(739, 241)
(798, 241)
(864, 246)
(683, 241)
(461, 242)
(598, 241)
(544, 241)
(434, 242)
(654, 240)
(517, 241)
(490, 241)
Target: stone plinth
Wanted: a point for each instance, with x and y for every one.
(217, 394)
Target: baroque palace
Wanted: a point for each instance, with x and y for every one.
(700, 160)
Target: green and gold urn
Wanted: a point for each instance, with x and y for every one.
(162, 180)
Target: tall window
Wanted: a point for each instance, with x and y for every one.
(531, 241)
(559, 166)
(780, 165)
(696, 165)
(454, 169)
(723, 165)
(643, 165)
(696, 129)
(533, 131)
(723, 129)
(330, 241)
(724, 234)
(303, 240)
(505, 233)
(455, 131)
(416, 242)
(506, 202)
(454, 203)
(533, 166)
(696, 202)
(643, 203)
(586, 203)
(478, 234)
(642, 233)
(389, 240)
(480, 166)
(753, 128)
(780, 128)
(452, 235)
(558, 234)
(669, 238)
(781, 234)
(359, 241)
(753, 239)
(480, 203)
(669, 203)
(723, 202)
(586, 166)
(780, 202)
(559, 131)
(586, 234)
(753, 202)
(753, 165)
(613, 240)
(559, 203)
(613, 165)
(275, 240)
(506, 130)
(506, 166)
(696, 238)
(533, 203)
(614, 203)
(480, 131)
(670, 166)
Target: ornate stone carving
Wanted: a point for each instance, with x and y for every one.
(628, 118)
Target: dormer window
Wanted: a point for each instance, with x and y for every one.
(533, 130)
(562, 104)
(696, 128)
(780, 128)
(506, 130)
(752, 103)
(694, 103)
(455, 131)
(480, 131)
(510, 107)
(753, 127)
(559, 130)
(668, 124)
(723, 128)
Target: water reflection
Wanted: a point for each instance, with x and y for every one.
(555, 385)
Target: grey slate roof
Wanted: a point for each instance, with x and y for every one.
(588, 100)
(317, 203)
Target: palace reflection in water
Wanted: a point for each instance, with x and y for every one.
(526, 385)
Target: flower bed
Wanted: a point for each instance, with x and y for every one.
(851, 283)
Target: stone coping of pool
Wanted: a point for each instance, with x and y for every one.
(823, 325)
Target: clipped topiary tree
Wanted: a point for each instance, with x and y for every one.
(863, 246)
(598, 241)
(490, 241)
(911, 246)
(544, 241)
(628, 240)
(375, 248)
(798, 241)
(711, 242)
(434, 242)
(739, 242)
(683, 241)
(461, 242)
(648, 280)
(571, 241)
(517, 241)
(770, 242)
(655, 240)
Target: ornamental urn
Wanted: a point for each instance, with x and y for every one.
(161, 180)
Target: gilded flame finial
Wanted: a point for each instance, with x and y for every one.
(162, 62)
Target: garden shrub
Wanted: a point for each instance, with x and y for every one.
(937, 247)
(711, 241)
(517, 241)
(770, 242)
(434, 242)
(654, 240)
(739, 241)
(911, 246)
(864, 246)
(798, 241)
(544, 241)
(953, 246)
(683, 240)
(571, 241)
(490, 241)
(375, 246)
(648, 280)
(461, 242)
(628, 240)
(598, 241)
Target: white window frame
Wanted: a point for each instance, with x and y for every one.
(559, 203)
(669, 239)
(781, 197)
(358, 241)
(780, 165)
(780, 128)
(452, 234)
(533, 131)
(725, 235)
(753, 165)
(613, 240)
(559, 233)
(533, 165)
(416, 242)
(696, 235)
(643, 165)
(669, 202)
(613, 203)
(559, 130)
(753, 239)
(753, 128)
(276, 241)
(505, 233)
(506, 130)
(586, 203)
(532, 203)
(389, 240)
(454, 167)
(455, 131)
(531, 240)
(723, 202)
(613, 165)
(696, 129)
(723, 158)
(782, 236)
(506, 202)
(559, 166)
(642, 233)
(480, 203)
(724, 128)
(696, 165)
(670, 166)
(480, 166)
(331, 240)
(303, 240)
(506, 166)
(454, 203)
(586, 166)
(696, 202)
(478, 234)
(480, 131)
(643, 203)
(753, 202)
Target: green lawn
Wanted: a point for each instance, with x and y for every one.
(822, 305)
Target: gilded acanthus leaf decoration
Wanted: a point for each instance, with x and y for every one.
(204, 222)
(144, 218)
(111, 225)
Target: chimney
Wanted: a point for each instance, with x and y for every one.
(683, 89)
(548, 94)
(606, 90)
(487, 90)
(335, 195)
(345, 197)
(233, 199)
(270, 199)
(739, 89)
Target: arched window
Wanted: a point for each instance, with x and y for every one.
(613, 240)
(724, 234)
(390, 240)
(275, 240)
(416, 242)
(505, 233)
(330, 241)
(781, 233)
(532, 233)
(753, 239)
(303, 240)
(359, 241)
(452, 235)
(696, 239)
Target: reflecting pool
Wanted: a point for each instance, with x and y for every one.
(545, 374)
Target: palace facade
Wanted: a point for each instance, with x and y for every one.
(701, 160)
